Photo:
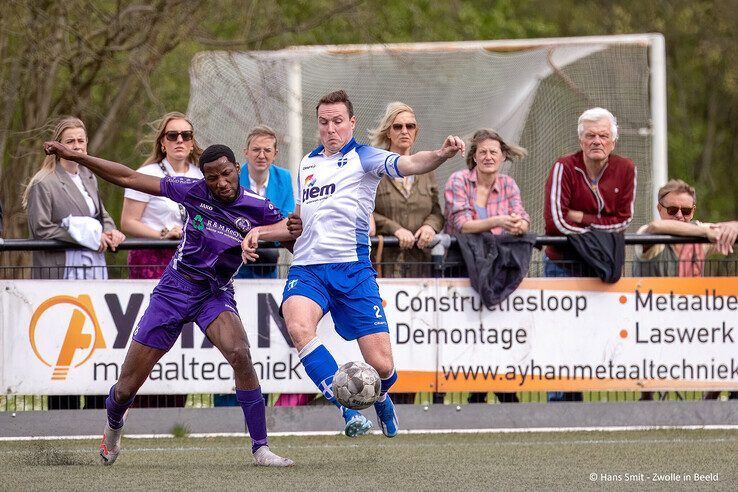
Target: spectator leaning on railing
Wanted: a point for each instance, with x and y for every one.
(480, 199)
(677, 203)
(62, 189)
(63, 192)
(405, 207)
(592, 189)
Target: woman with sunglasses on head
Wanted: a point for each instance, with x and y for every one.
(175, 153)
(408, 207)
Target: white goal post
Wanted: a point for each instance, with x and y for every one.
(531, 91)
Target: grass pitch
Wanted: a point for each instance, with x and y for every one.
(643, 459)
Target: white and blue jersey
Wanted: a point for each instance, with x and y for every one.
(336, 197)
(331, 265)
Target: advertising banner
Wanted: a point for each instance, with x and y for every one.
(70, 337)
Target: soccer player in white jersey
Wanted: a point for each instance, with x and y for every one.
(331, 270)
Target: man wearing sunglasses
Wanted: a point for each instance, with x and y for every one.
(676, 208)
(677, 203)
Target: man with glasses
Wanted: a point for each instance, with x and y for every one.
(676, 207)
(677, 203)
(263, 177)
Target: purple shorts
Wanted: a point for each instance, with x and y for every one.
(176, 301)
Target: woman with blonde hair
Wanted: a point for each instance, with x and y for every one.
(408, 207)
(175, 153)
(63, 203)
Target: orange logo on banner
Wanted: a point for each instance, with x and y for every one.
(74, 338)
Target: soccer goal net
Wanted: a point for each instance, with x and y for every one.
(530, 91)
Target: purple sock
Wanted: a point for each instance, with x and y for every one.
(116, 410)
(254, 411)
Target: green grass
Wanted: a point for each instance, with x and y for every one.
(428, 462)
(180, 431)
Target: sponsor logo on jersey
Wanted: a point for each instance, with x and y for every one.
(313, 190)
(197, 222)
(206, 206)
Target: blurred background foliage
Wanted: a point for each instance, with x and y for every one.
(121, 64)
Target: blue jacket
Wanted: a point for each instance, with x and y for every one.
(279, 188)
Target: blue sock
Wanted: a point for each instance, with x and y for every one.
(320, 366)
(116, 410)
(386, 384)
(254, 412)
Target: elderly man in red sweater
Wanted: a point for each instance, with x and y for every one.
(590, 189)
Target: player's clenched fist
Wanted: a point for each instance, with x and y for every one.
(294, 224)
(452, 146)
(57, 148)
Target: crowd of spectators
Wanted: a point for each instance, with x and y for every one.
(591, 191)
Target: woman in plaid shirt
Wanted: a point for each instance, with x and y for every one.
(480, 199)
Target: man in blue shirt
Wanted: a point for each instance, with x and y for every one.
(263, 177)
(223, 225)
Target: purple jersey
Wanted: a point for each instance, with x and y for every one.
(210, 248)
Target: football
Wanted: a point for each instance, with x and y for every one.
(356, 385)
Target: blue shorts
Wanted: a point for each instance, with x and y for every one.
(177, 301)
(348, 290)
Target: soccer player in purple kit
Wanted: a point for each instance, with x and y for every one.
(224, 224)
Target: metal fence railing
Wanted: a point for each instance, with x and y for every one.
(445, 262)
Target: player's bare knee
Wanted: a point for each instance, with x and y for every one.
(239, 357)
(384, 366)
(124, 391)
(300, 333)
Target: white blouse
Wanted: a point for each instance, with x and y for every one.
(161, 212)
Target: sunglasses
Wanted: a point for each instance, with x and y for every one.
(186, 135)
(674, 210)
(398, 126)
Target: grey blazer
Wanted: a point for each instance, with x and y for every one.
(49, 201)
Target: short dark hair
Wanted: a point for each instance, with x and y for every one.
(339, 96)
(216, 151)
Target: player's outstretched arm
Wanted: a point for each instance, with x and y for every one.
(429, 160)
(108, 170)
